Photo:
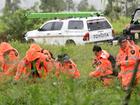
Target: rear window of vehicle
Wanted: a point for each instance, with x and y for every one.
(98, 24)
(75, 24)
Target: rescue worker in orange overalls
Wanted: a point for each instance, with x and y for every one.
(104, 68)
(126, 59)
(131, 42)
(67, 67)
(8, 59)
(50, 61)
(100, 53)
(34, 64)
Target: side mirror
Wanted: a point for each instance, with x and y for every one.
(39, 29)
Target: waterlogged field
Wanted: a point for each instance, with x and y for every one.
(53, 91)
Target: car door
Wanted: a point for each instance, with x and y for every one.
(57, 36)
(50, 33)
(44, 31)
(75, 31)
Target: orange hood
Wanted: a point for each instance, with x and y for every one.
(35, 47)
(32, 55)
(4, 47)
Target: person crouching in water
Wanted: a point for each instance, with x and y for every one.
(103, 67)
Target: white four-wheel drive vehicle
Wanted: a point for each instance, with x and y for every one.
(72, 31)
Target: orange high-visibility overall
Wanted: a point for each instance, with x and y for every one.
(68, 68)
(103, 70)
(127, 64)
(33, 59)
(8, 58)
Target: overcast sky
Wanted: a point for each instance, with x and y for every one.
(29, 3)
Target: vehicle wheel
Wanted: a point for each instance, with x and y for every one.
(31, 41)
(110, 42)
(95, 43)
(70, 42)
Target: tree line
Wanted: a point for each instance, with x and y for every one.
(14, 24)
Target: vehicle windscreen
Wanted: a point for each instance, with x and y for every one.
(97, 24)
(137, 16)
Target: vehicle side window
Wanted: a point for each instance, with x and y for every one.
(47, 26)
(57, 25)
(75, 24)
(98, 24)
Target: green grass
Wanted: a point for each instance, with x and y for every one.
(120, 24)
(53, 91)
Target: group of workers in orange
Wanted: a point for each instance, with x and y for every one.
(128, 56)
(39, 62)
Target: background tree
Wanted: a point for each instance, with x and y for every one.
(52, 5)
(111, 10)
(130, 6)
(15, 5)
(7, 6)
(17, 24)
(83, 5)
(35, 7)
(11, 6)
(70, 6)
(92, 8)
(117, 8)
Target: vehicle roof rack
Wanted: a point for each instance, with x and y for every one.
(58, 15)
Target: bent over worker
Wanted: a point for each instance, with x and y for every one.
(8, 59)
(103, 69)
(67, 67)
(34, 64)
(100, 53)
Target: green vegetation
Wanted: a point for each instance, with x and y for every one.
(14, 24)
(53, 91)
(120, 24)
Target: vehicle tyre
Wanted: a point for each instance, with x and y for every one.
(31, 41)
(70, 42)
(110, 42)
(95, 43)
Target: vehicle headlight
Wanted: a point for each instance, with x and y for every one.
(136, 36)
